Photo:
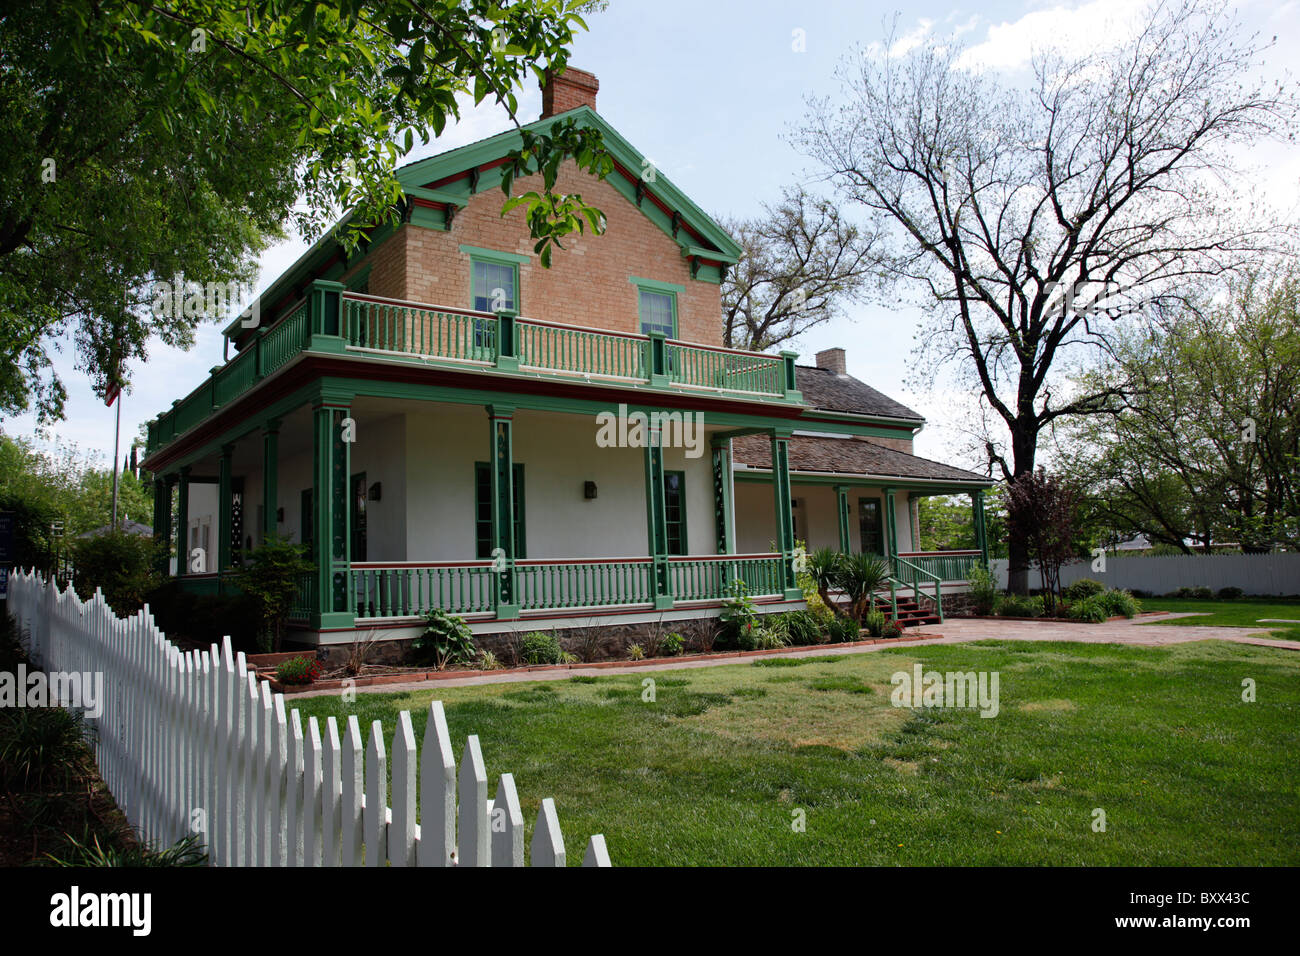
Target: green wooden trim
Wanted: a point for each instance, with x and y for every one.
(656, 285)
(981, 531)
(891, 522)
(331, 520)
(270, 479)
(660, 289)
(842, 513)
(681, 493)
(784, 513)
(504, 258)
(723, 496)
(764, 476)
(183, 522)
(521, 536)
(657, 523)
(501, 436)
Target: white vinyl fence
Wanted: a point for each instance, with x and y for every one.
(194, 743)
(1160, 574)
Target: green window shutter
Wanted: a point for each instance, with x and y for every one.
(675, 510)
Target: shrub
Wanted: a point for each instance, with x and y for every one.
(1083, 588)
(1119, 602)
(802, 628)
(446, 640)
(843, 629)
(36, 744)
(738, 618)
(874, 622)
(88, 851)
(983, 589)
(823, 570)
(119, 564)
(1091, 610)
(673, 644)
(891, 629)
(1200, 592)
(271, 580)
(487, 661)
(635, 653)
(540, 647)
(298, 670)
(1230, 593)
(207, 618)
(1016, 605)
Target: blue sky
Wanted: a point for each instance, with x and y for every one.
(708, 91)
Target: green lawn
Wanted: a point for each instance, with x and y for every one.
(1244, 612)
(711, 772)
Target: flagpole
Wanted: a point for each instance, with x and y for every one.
(117, 432)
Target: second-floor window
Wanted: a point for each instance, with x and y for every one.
(495, 285)
(658, 312)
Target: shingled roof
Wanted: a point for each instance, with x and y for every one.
(829, 391)
(848, 456)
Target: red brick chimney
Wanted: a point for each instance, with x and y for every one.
(832, 360)
(568, 91)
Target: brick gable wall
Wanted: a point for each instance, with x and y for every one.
(587, 284)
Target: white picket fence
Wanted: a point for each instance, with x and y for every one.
(193, 742)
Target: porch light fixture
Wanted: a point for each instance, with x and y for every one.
(589, 490)
(376, 491)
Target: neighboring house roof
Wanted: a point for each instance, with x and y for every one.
(827, 390)
(859, 457)
(127, 525)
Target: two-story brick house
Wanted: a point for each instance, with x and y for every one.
(432, 415)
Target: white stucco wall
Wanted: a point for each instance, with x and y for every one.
(816, 521)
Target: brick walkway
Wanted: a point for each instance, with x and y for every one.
(953, 631)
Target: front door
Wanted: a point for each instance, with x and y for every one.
(871, 526)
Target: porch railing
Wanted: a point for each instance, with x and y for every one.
(710, 577)
(948, 565)
(385, 590)
(910, 575)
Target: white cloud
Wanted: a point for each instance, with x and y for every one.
(1080, 29)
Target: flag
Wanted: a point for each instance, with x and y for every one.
(111, 393)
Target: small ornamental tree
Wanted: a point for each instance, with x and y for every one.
(1044, 510)
(271, 578)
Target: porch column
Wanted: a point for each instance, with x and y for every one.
(724, 518)
(183, 523)
(661, 585)
(501, 419)
(331, 537)
(270, 478)
(224, 522)
(977, 517)
(780, 439)
(162, 520)
(842, 509)
(914, 518)
(891, 526)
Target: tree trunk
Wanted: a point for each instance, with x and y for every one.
(1024, 442)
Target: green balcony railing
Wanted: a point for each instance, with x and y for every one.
(412, 589)
(907, 574)
(371, 324)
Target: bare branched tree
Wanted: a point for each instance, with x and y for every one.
(803, 261)
(1032, 223)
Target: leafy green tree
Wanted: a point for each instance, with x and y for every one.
(271, 578)
(1203, 448)
(147, 140)
(121, 565)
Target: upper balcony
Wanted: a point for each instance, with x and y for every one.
(333, 321)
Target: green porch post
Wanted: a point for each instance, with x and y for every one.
(183, 524)
(270, 478)
(661, 585)
(891, 526)
(842, 510)
(328, 333)
(224, 519)
(981, 534)
(723, 494)
(501, 419)
(780, 439)
(331, 535)
(162, 520)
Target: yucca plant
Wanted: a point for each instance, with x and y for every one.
(858, 577)
(824, 568)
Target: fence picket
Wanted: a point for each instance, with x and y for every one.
(192, 742)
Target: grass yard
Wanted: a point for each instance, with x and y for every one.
(713, 770)
(1243, 612)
